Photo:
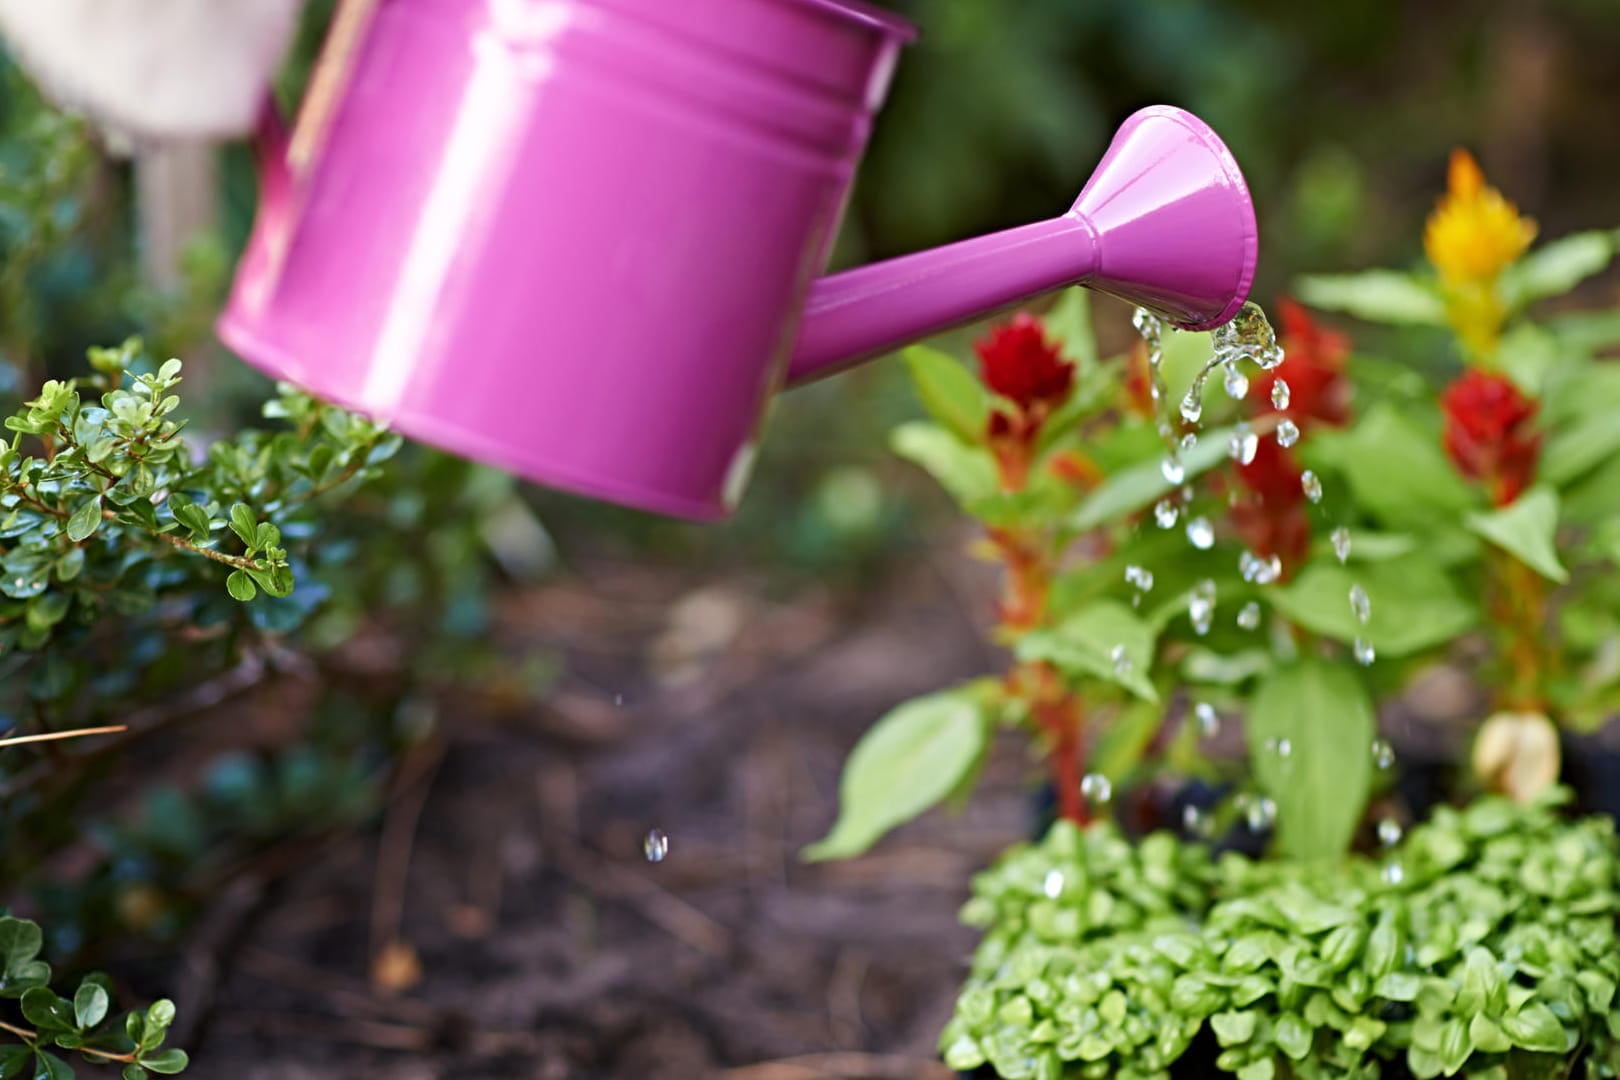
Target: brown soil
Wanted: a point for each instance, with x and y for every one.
(548, 946)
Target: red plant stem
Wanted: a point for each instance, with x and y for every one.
(1061, 717)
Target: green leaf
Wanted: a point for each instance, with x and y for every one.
(1069, 324)
(910, 760)
(191, 516)
(135, 1072)
(1085, 644)
(46, 1011)
(1535, 1027)
(1555, 268)
(277, 581)
(1321, 786)
(1527, 530)
(85, 520)
(48, 1066)
(90, 1004)
(1232, 1028)
(20, 942)
(1121, 744)
(1484, 989)
(1455, 1046)
(166, 1062)
(240, 586)
(14, 1061)
(1292, 1036)
(243, 524)
(1385, 296)
(1138, 486)
(1396, 470)
(1488, 1036)
(156, 1026)
(949, 392)
(967, 472)
(1576, 448)
(1414, 605)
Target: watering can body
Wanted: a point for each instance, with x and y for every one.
(578, 239)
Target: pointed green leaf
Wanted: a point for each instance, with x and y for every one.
(910, 760)
(85, 520)
(950, 393)
(1526, 529)
(1413, 604)
(1385, 296)
(15, 1061)
(1104, 640)
(967, 472)
(48, 1066)
(1321, 786)
(1139, 486)
(1535, 1027)
(1397, 471)
(243, 523)
(1556, 267)
(1069, 324)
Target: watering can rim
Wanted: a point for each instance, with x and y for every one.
(871, 15)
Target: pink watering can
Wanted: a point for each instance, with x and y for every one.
(577, 239)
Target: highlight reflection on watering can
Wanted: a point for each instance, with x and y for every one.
(576, 238)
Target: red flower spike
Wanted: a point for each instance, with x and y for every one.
(1489, 433)
(1017, 362)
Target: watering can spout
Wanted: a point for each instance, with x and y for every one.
(1165, 223)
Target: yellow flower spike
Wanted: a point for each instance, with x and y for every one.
(1474, 232)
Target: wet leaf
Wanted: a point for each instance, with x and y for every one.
(1526, 529)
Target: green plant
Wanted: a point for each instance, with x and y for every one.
(1483, 945)
(82, 1024)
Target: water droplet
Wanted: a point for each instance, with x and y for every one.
(1200, 533)
(1260, 571)
(1242, 445)
(618, 700)
(1121, 659)
(1383, 754)
(1260, 814)
(1287, 434)
(1249, 617)
(1389, 832)
(1279, 394)
(1149, 325)
(1284, 748)
(1311, 485)
(1188, 442)
(655, 846)
(1192, 407)
(1235, 382)
(1165, 513)
(1209, 721)
(1360, 604)
(1139, 576)
(1196, 823)
(1341, 544)
(19, 583)
(1053, 885)
(1172, 469)
(1394, 873)
(1096, 789)
(1201, 606)
(1365, 653)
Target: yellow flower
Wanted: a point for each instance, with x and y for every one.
(1474, 232)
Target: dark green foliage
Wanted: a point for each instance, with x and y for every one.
(81, 1024)
(1485, 945)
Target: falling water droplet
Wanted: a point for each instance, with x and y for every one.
(1165, 513)
(1235, 382)
(618, 700)
(1196, 823)
(1260, 814)
(1383, 754)
(1285, 748)
(1209, 721)
(1173, 471)
(1053, 885)
(1389, 832)
(1279, 394)
(1311, 484)
(1287, 434)
(655, 846)
(1201, 606)
(1149, 325)
(1188, 442)
(1242, 445)
(1260, 571)
(1121, 659)
(1139, 576)
(1249, 617)
(1365, 653)
(1192, 407)
(1360, 604)
(1096, 789)
(1394, 873)
(1200, 533)
(1341, 544)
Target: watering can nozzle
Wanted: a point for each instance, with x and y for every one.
(1165, 222)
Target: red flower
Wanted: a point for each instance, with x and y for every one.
(1489, 433)
(1017, 362)
(1313, 368)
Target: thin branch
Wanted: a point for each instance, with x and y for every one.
(51, 736)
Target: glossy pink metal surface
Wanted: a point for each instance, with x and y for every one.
(574, 238)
